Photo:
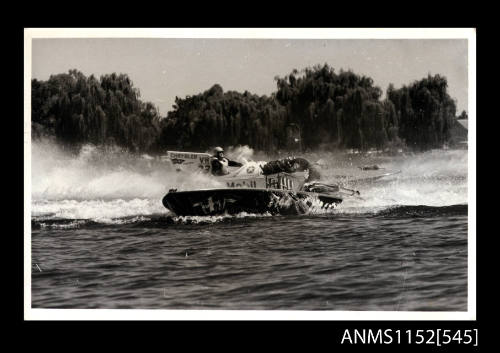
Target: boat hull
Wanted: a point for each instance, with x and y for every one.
(233, 201)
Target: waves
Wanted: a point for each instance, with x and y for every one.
(158, 220)
(400, 258)
(152, 221)
(424, 211)
(97, 210)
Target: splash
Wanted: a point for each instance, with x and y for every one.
(240, 153)
(97, 210)
(97, 174)
(435, 178)
(216, 219)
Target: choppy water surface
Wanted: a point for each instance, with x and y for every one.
(102, 239)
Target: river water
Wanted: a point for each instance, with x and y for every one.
(102, 239)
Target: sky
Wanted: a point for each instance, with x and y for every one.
(165, 68)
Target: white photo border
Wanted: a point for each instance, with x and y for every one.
(252, 33)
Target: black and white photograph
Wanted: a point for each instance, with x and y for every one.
(240, 173)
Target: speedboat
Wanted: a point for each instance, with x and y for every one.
(275, 187)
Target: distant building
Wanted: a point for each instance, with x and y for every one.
(460, 133)
(464, 123)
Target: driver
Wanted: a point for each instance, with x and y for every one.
(220, 163)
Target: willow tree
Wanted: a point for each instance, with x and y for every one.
(77, 109)
(425, 112)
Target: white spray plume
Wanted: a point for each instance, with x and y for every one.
(240, 153)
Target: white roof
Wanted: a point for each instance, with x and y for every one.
(464, 123)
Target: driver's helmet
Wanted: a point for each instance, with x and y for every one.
(218, 150)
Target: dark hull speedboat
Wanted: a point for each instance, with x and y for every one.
(211, 202)
(276, 187)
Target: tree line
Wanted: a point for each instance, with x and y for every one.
(314, 108)
(77, 109)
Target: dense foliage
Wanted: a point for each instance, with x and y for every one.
(463, 115)
(78, 109)
(341, 109)
(425, 111)
(215, 117)
(316, 107)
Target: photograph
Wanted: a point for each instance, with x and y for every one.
(249, 173)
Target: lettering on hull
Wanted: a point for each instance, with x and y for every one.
(242, 184)
(177, 161)
(279, 182)
(191, 160)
